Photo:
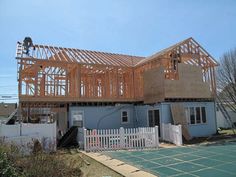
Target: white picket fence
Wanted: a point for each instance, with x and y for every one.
(172, 133)
(114, 139)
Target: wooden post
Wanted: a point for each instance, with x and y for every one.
(85, 139)
(36, 81)
(163, 131)
(78, 85)
(180, 139)
(170, 131)
(156, 137)
(66, 84)
(20, 80)
(122, 137)
(214, 81)
(42, 86)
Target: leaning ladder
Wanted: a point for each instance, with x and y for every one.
(226, 115)
(12, 115)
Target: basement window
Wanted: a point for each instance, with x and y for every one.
(195, 115)
(124, 117)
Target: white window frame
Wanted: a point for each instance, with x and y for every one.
(121, 116)
(81, 112)
(187, 114)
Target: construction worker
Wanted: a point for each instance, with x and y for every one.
(27, 43)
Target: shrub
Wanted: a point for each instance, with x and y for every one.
(7, 168)
(39, 164)
(48, 165)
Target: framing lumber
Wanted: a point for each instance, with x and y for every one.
(56, 74)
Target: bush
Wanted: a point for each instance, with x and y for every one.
(38, 164)
(6, 167)
(48, 165)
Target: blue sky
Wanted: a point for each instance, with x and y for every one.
(136, 27)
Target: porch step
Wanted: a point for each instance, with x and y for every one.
(179, 117)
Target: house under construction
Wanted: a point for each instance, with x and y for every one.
(105, 90)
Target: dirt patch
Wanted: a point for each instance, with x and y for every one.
(88, 166)
(221, 135)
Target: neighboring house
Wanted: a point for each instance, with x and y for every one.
(222, 122)
(99, 90)
(6, 109)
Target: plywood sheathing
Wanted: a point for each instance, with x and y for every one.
(188, 85)
(179, 117)
(154, 85)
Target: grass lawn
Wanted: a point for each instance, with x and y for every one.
(227, 132)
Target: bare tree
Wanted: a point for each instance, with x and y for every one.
(226, 79)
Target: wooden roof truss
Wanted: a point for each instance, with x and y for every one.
(59, 74)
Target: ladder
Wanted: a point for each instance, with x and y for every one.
(226, 115)
(19, 50)
(12, 115)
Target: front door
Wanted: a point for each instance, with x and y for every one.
(154, 118)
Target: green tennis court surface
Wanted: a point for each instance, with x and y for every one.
(213, 160)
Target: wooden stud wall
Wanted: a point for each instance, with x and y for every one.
(80, 75)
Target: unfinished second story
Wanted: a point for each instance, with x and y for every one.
(55, 74)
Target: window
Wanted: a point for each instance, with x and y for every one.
(203, 109)
(192, 115)
(195, 115)
(198, 116)
(124, 117)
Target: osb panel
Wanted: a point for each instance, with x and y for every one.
(154, 85)
(179, 117)
(189, 85)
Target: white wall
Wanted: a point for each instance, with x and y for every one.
(26, 133)
(43, 130)
(104, 117)
(198, 130)
(221, 121)
(9, 130)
